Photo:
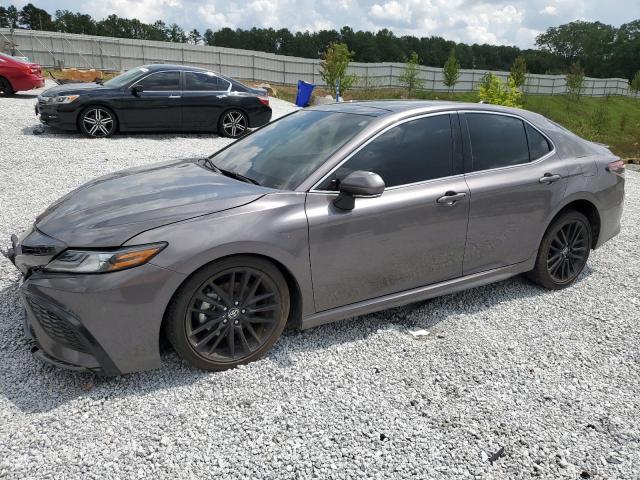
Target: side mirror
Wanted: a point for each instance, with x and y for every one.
(358, 184)
(136, 90)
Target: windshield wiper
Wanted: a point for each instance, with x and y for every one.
(229, 173)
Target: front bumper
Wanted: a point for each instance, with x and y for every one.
(105, 323)
(54, 116)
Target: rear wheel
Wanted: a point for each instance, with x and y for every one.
(564, 251)
(228, 313)
(97, 122)
(233, 124)
(5, 88)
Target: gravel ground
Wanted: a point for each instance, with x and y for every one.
(511, 382)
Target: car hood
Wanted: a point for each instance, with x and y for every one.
(109, 210)
(72, 89)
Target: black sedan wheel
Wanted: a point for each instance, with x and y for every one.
(233, 124)
(564, 251)
(97, 122)
(229, 313)
(5, 88)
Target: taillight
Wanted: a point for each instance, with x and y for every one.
(617, 168)
(264, 100)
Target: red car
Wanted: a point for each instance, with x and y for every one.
(17, 75)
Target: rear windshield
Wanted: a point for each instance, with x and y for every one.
(126, 77)
(9, 57)
(284, 153)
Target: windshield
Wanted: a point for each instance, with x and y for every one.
(125, 78)
(284, 153)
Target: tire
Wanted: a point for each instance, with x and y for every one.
(233, 124)
(215, 326)
(97, 122)
(5, 88)
(563, 252)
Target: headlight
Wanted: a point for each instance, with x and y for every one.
(63, 99)
(95, 261)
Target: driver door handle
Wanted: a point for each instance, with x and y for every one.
(550, 178)
(450, 198)
(174, 96)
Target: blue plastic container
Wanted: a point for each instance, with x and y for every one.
(305, 90)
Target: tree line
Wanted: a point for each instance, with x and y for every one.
(602, 50)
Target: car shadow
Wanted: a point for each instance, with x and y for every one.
(33, 387)
(46, 131)
(24, 96)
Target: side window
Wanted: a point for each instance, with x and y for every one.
(412, 152)
(496, 141)
(162, 81)
(204, 82)
(538, 145)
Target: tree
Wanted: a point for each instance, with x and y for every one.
(333, 67)
(519, 71)
(494, 91)
(70, 22)
(176, 34)
(451, 71)
(194, 37)
(35, 18)
(12, 17)
(635, 83)
(575, 80)
(410, 76)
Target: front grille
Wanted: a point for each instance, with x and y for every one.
(40, 250)
(57, 327)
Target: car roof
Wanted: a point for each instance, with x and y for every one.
(380, 108)
(167, 66)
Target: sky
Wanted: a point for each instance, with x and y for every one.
(510, 22)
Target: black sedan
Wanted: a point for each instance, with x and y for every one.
(156, 98)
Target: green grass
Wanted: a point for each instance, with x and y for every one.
(614, 121)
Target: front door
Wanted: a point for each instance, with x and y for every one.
(413, 235)
(157, 107)
(516, 180)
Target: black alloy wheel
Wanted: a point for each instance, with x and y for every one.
(567, 252)
(229, 314)
(234, 124)
(564, 251)
(97, 122)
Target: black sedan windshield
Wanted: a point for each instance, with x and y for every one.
(284, 153)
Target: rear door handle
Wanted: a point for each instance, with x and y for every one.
(450, 198)
(550, 178)
(174, 96)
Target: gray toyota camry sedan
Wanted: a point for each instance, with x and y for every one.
(327, 213)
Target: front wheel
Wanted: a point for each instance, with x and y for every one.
(97, 122)
(233, 124)
(228, 313)
(564, 251)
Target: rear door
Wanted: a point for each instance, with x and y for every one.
(410, 236)
(515, 179)
(157, 107)
(203, 100)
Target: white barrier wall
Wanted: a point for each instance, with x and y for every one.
(52, 49)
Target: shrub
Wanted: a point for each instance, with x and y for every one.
(494, 91)
(635, 83)
(451, 71)
(575, 80)
(333, 67)
(410, 76)
(519, 72)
